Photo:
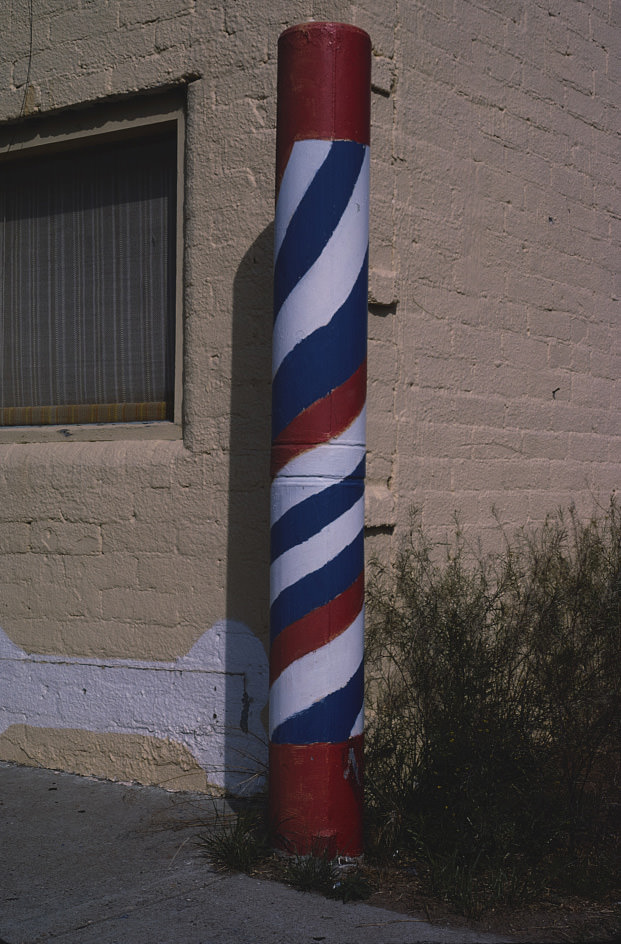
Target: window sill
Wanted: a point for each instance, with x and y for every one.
(96, 432)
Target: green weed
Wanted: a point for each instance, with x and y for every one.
(237, 842)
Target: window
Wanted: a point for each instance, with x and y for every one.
(89, 259)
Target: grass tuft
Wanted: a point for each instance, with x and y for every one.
(319, 873)
(237, 843)
(242, 843)
(310, 873)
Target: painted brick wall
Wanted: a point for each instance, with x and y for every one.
(496, 201)
(494, 324)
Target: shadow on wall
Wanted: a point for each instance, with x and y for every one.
(248, 544)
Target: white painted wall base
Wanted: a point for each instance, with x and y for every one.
(209, 700)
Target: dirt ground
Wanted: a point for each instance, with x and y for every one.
(567, 921)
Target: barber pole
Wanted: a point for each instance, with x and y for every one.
(318, 438)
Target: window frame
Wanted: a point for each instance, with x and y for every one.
(108, 122)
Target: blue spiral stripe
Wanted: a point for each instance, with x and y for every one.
(330, 719)
(322, 361)
(309, 232)
(317, 588)
(320, 292)
(311, 515)
(296, 180)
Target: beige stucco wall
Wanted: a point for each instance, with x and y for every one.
(495, 381)
(494, 321)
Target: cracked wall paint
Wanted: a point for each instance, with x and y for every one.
(209, 701)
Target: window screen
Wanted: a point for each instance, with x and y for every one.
(87, 295)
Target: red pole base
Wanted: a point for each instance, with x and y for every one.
(316, 797)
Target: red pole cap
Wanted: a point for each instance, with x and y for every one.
(324, 86)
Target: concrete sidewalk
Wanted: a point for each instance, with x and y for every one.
(90, 862)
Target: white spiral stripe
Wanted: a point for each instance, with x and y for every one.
(328, 283)
(337, 458)
(358, 726)
(304, 161)
(285, 495)
(317, 674)
(319, 468)
(318, 550)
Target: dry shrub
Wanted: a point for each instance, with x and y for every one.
(493, 694)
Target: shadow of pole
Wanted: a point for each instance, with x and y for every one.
(248, 542)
